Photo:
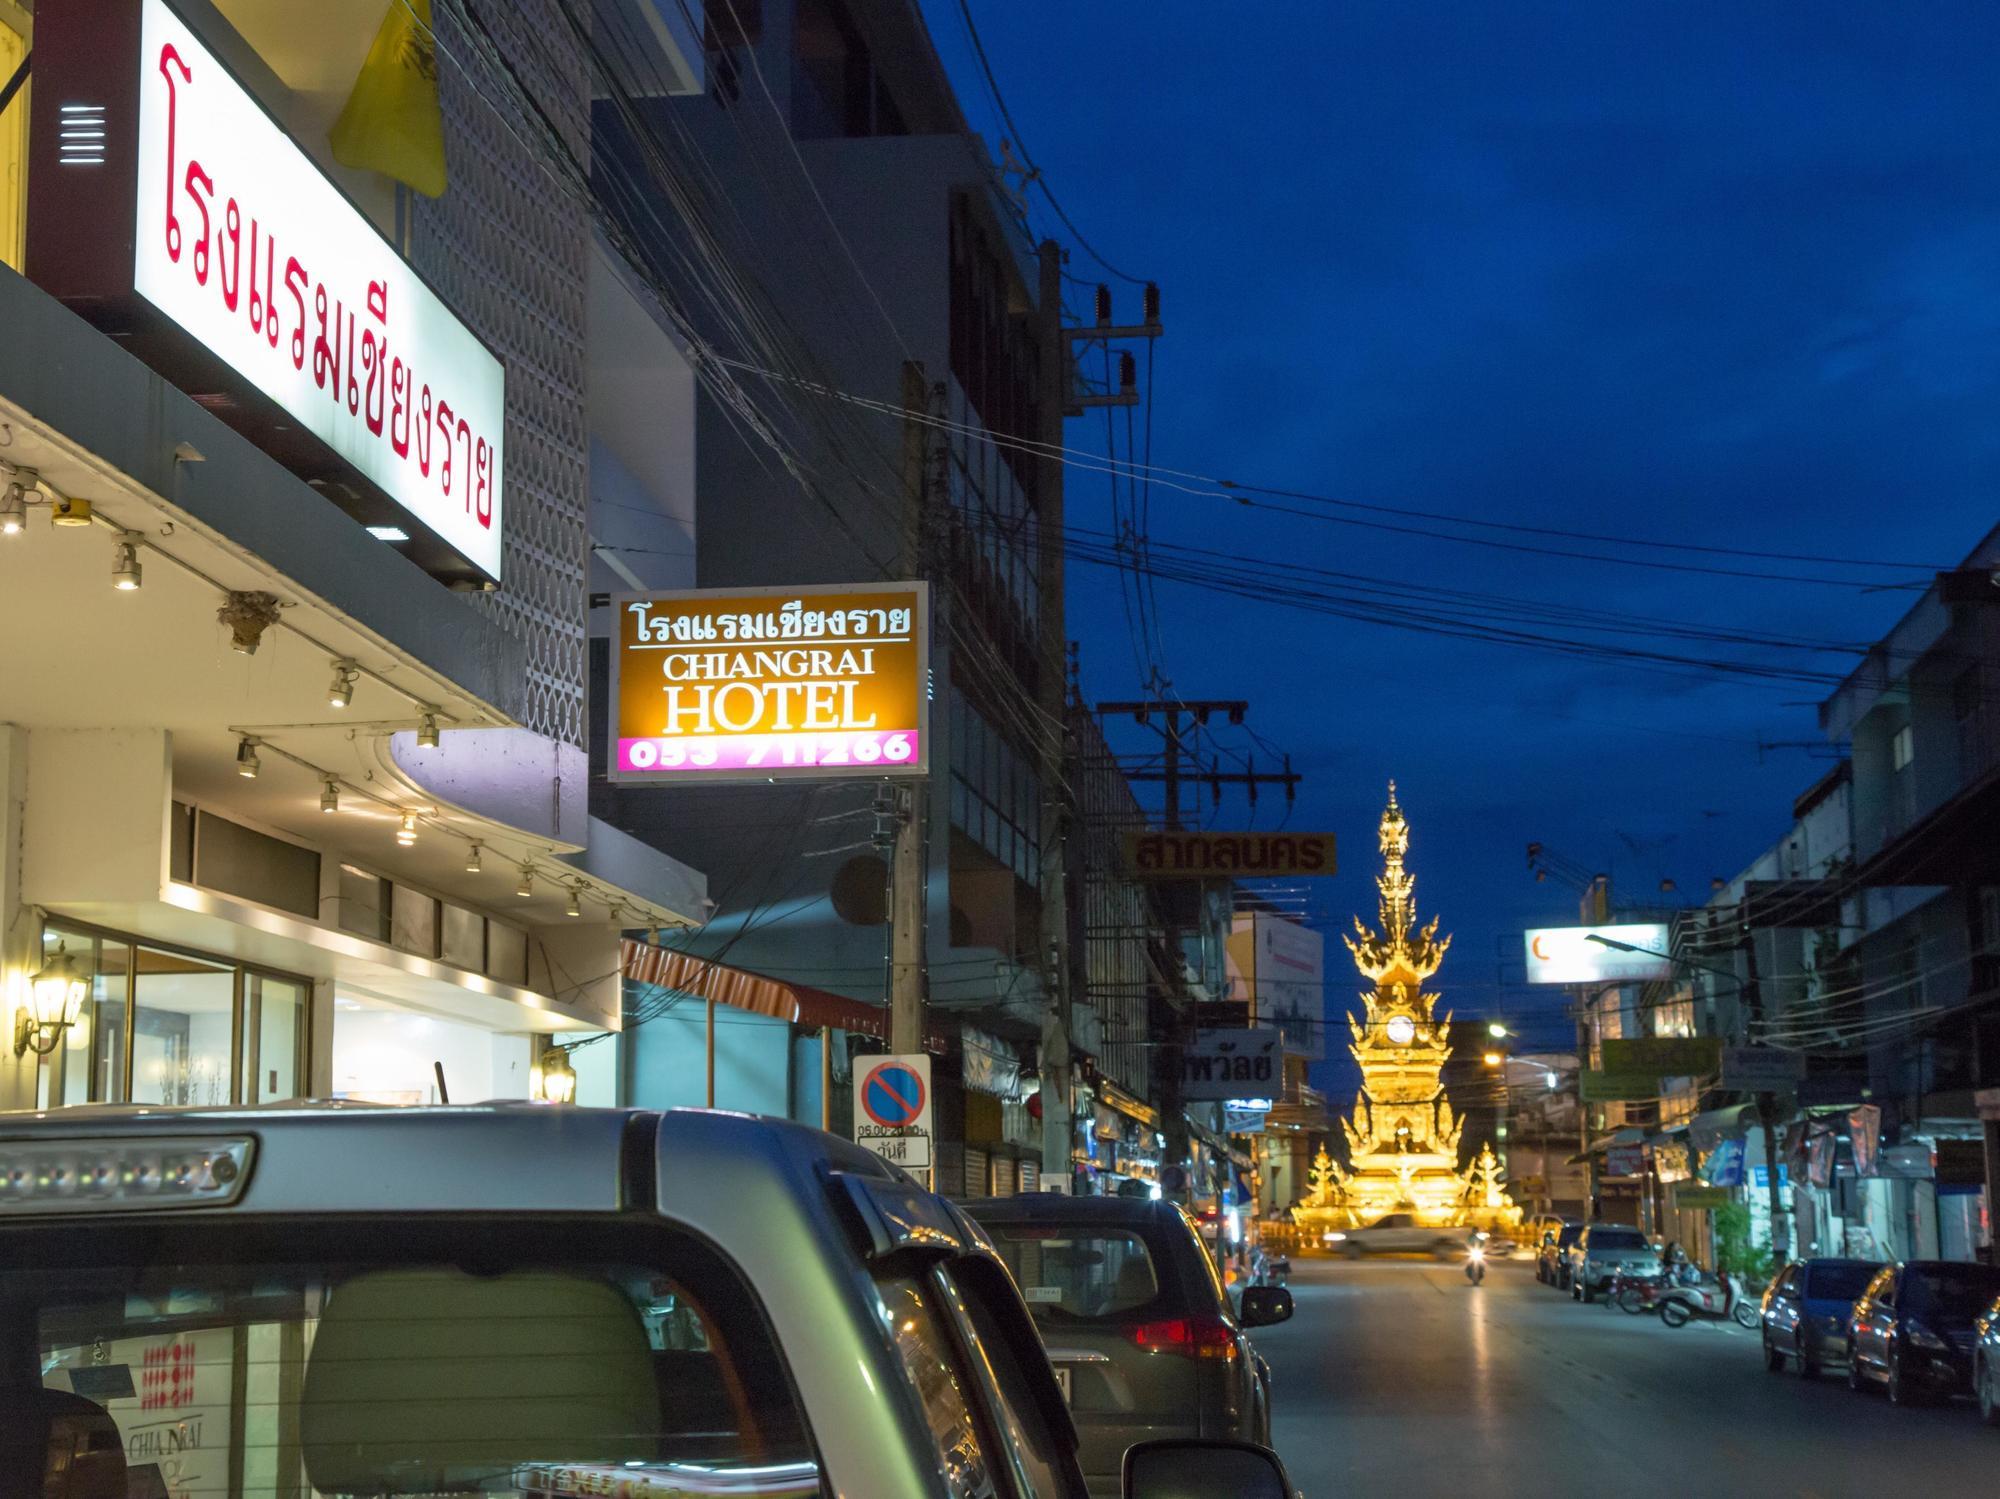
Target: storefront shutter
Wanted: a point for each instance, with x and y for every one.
(978, 1169)
(1006, 1177)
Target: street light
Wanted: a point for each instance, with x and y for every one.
(1495, 1029)
(1494, 1059)
(56, 994)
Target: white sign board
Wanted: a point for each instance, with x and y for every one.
(892, 1109)
(1566, 955)
(1226, 1064)
(1762, 1069)
(254, 253)
(1237, 1121)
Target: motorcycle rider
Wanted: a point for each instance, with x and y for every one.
(1475, 1256)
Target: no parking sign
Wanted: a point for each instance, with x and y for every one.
(892, 1109)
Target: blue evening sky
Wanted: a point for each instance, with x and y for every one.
(1724, 274)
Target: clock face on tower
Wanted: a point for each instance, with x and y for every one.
(1402, 1030)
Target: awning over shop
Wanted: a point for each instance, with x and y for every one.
(799, 1004)
(1115, 1097)
(1595, 1150)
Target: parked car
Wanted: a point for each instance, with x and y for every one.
(1605, 1249)
(1986, 1364)
(1143, 1337)
(1913, 1328)
(1807, 1310)
(1397, 1233)
(767, 1308)
(1552, 1254)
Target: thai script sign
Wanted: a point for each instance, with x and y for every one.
(1567, 955)
(769, 683)
(1226, 1064)
(1689, 1197)
(1663, 1056)
(1617, 1087)
(1625, 1160)
(892, 1109)
(1761, 1069)
(260, 282)
(1193, 856)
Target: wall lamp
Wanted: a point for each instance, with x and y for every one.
(553, 1078)
(55, 996)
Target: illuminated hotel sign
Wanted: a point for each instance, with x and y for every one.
(770, 684)
(169, 208)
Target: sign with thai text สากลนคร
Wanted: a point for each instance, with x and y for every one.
(771, 684)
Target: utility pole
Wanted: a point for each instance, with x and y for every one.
(1175, 715)
(1767, 1104)
(905, 855)
(1052, 678)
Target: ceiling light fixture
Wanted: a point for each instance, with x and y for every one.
(126, 573)
(573, 906)
(247, 763)
(341, 693)
(13, 509)
(472, 859)
(427, 732)
(527, 886)
(388, 533)
(329, 798)
(406, 834)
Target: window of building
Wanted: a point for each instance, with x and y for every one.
(1902, 748)
(163, 1026)
(14, 26)
(255, 866)
(836, 90)
(363, 904)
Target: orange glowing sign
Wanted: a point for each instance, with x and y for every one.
(770, 683)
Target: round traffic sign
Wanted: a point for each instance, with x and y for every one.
(893, 1095)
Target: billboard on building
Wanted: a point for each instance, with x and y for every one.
(172, 210)
(770, 683)
(1278, 968)
(1177, 854)
(1629, 953)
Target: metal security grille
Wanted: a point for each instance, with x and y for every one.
(508, 245)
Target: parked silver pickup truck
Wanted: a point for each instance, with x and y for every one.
(535, 1303)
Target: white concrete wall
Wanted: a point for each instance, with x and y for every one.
(97, 807)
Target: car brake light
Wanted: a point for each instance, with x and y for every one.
(113, 1175)
(1188, 1337)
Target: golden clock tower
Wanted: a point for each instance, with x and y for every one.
(1402, 1139)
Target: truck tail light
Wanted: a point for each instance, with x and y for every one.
(1187, 1337)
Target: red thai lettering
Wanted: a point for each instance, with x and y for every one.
(353, 384)
(231, 239)
(263, 311)
(326, 356)
(170, 59)
(482, 506)
(295, 283)
(465, 436)
(445, 419)
(399, 407)
(374, 358)
(424, 432)
(195, 174)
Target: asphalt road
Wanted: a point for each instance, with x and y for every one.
(1398, 1379)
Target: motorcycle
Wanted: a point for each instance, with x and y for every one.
(1623, 1285)
(1641, 1293)
(1716, 1298)
(1475, 1261)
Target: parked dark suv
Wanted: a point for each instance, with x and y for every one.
(1141, 1334)
(1913, 1328)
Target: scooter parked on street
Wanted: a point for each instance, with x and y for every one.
(1641, 1291)
(1714, 1297)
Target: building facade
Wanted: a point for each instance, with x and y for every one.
(295, 801)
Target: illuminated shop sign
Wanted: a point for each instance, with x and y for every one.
(194, 228)
(1568, 955)
(743, 684)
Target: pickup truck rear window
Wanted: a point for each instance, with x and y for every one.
(524, 1362)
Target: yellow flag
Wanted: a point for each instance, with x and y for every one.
(392, 123)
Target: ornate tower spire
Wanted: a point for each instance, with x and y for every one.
(1393, 956)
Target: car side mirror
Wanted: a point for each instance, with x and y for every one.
(1263, 1305)
(1182, 1469)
